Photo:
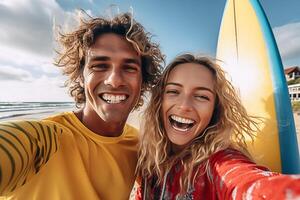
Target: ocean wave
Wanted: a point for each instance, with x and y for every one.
(17, 109)
(23, 106)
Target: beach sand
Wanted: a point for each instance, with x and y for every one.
(133, 119)
(297, 124)
(36, 114)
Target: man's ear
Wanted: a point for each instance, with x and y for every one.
(81, 80)
(82, 66)
(81, 77)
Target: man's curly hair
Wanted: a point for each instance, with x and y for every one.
(74, 46)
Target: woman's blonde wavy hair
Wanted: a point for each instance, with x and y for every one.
(74, 45)
(228, 127)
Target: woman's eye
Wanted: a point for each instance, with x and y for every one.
(202, 97)
(172, 92)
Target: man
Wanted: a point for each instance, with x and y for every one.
(89, 154)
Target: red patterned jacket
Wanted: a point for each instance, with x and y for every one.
(230, 175)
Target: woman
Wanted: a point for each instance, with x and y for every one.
(193, 143)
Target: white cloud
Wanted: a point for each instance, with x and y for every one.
(41, 89)
(28, 24)
(288, 40)
(8, 73)
(49, 68)
(26, 50)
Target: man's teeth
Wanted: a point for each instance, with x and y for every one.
(182, 120)
(110, 98)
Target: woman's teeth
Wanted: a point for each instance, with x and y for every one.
(182, 120)
(180, 123)
(112, 99)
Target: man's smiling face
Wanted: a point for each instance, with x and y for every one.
(112, 78)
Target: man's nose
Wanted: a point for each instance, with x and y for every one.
(114, 79)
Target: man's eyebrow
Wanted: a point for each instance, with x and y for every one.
(197, 88)
(99, 58)
(106, 58)
(132, 61)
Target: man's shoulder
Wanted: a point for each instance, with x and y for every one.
(62, 119)
(58, 116)
(131, 131)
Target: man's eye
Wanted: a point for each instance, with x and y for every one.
(130, 69)
(100, 66)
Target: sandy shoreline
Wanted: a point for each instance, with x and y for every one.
(297, 125)
(35, 114)
(133, 119)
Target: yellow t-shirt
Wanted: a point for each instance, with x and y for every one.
(59, 158)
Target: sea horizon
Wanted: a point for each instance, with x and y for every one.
(11, 109)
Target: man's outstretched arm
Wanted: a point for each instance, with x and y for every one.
(25, 146)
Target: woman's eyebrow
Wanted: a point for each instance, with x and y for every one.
(205, 88)
(172, 83)
(197, 88)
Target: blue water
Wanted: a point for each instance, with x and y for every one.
(15, 109)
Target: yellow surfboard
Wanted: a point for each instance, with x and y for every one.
(248, 52)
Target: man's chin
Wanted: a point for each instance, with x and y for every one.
(112, 113)
(115, 118)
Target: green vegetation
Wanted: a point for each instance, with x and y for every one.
(296, 105)
(291, 82)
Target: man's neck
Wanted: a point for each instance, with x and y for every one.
(93, 122)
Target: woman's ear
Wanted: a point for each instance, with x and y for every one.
(216, 113)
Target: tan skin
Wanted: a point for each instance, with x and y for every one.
(112, 81)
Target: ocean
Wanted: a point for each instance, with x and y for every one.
(20, 109)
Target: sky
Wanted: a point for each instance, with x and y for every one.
(27, 40)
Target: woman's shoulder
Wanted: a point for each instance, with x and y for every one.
(221, 157)
(232, 160)
(228, 154)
